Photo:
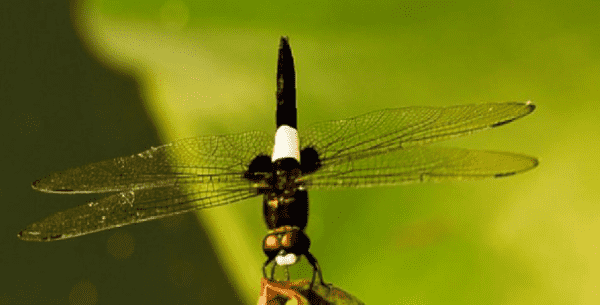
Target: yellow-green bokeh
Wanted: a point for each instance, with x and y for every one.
(208, 67)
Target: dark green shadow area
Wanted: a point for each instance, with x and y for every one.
(60, 109)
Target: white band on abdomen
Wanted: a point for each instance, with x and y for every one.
(286, 144)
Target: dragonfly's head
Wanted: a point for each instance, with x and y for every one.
(285, 245)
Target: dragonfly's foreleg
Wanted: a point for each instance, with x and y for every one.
(267, 262)
(316, 269)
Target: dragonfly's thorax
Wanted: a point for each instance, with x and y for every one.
(280, 178)
(285, 199)
(286, 202)
(287, 176)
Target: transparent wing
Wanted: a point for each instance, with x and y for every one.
(186, 175)
(195, 160)
(130, 207)
(419, 164)
(387, 130)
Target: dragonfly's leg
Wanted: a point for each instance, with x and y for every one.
(265, 269)
(316, 269)
(273, 271)
(287, 272)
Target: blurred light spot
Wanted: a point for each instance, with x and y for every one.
(174, 15)
(181, 273)
(422, 233)
(27, 123)
(121, 245)
(83, 293)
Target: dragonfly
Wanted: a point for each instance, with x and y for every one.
(385, 147)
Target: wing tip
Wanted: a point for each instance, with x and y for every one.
(529, 108)
(25, 235)
(35, 236)
(39, 186)
(534, 163)
(35, 185)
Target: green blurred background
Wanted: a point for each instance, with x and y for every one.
(91, 80)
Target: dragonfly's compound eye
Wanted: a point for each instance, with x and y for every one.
(309, 160)
(271, 242)
(259, 168)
